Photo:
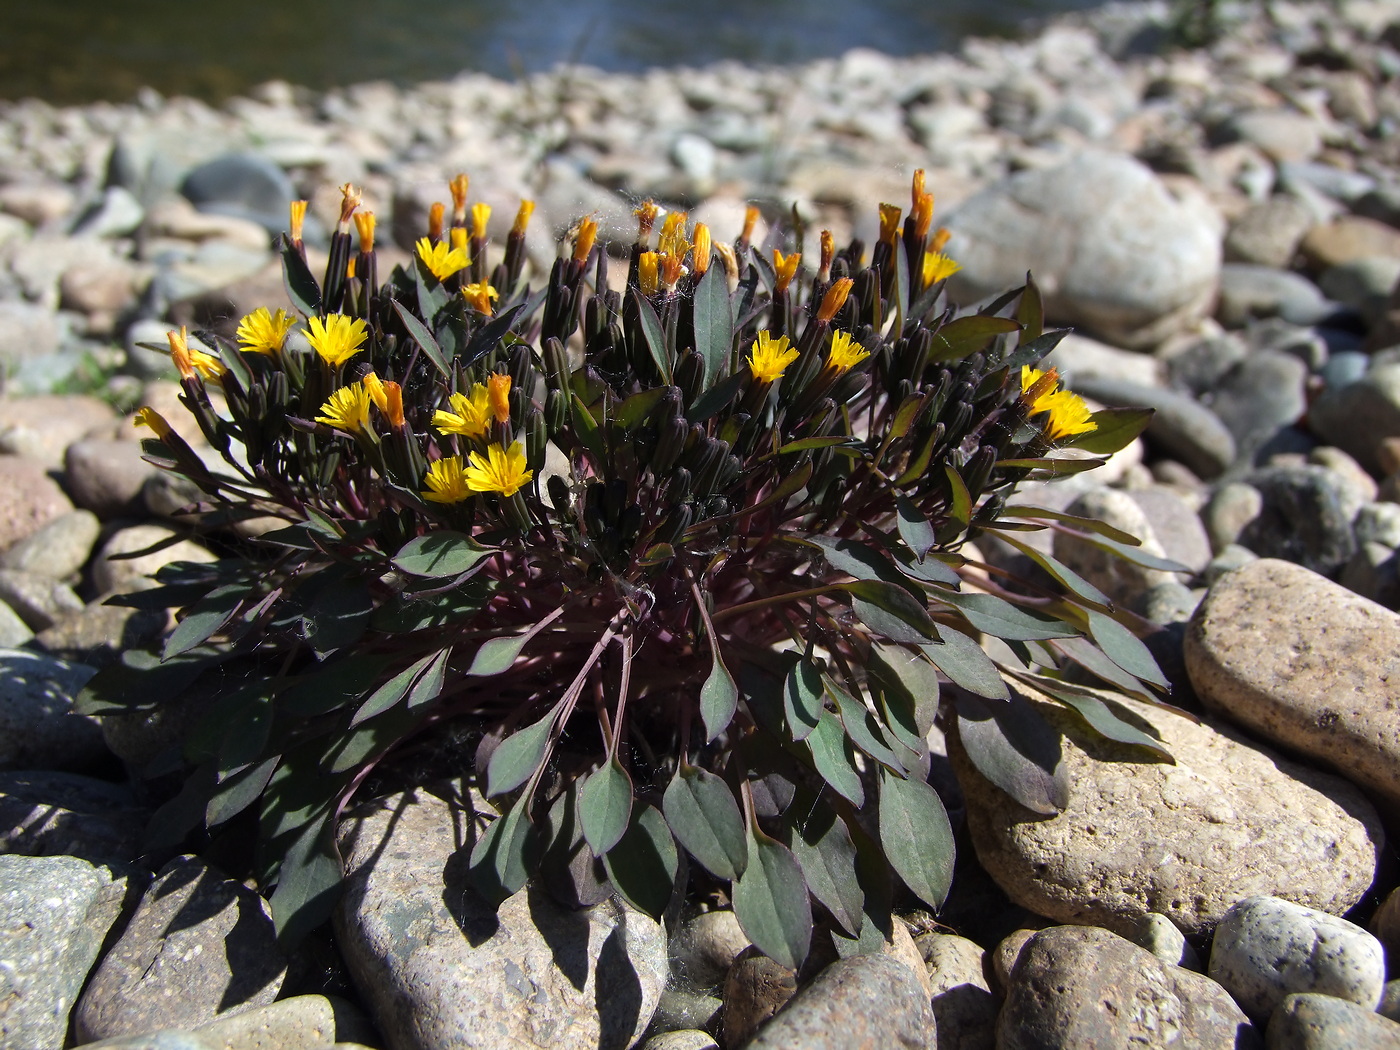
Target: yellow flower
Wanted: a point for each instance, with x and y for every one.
(149, 417)
(1037, 387)
(768, 357)
(672, 240)
(785, 266)
(470, 416)
(188, 361)
(522, 218)
(500, 470)
(364, 224)
(1069, 415)
(845, 354)
(704, 245)
(446, 481)
(498, 396)
(442, 262)
(479, 296)
(649, 272)
(938, 267)
(481, 215)
(347, 409)
(889, 222)
(262, 332)
(338, 338)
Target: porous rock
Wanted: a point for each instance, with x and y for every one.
(32, 499)
(964, 1008)
(1188, 840)
(1305, 663)
(1308, 1021)
(38, 728)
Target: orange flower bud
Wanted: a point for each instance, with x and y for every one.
(835, 298)
(786, 267)
(498, 396)
(522, 218)
(583, 245)
(364, 224)
(435, 222)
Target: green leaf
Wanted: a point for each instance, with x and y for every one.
(644, 864)
(705, 819)
(891, 610)
(714, 323)
(996, 616)
(834, 758)
(635, 409)
(823, 847)
(1101, 717)
(605, 806)
(490, 335)
(1053, 468)
(497, 655)
(803, 696)
(1075, 583)
(862, 728)
(905, 415)
(656, 554)
(301, 286)
(1087, 655)
(960, 506)
(505, 854)
(1133, 553)
(440, 555)
(518, 756)
(717, 398)
(917, 837)
(1078, 521)
(374, 737)
(331, 685)
(719, 696)
(653, 336)
(907, 688)
(804, 444)
(590, 435)
(930, 569)
(338, 614)
(141, 680)
(1030, 313)
(308, 883)
(1116, 428)
(1016, 749)
(914, 528)
(420, 682)
(1125, 649)
(857, 559)
(967, 335)
(239, 791)
(419, 333)
(964, 662)
(771, 902)
(409, 611)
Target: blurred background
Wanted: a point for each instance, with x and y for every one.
(73, 51)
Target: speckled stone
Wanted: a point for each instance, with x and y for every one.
(963, 1004)
(59, 549)
(47, 813)
(1306, 1021)
(1305, 663)
(755, 988)
(38, 729)
(32, 500)
(863, 1001)
(1266, 948)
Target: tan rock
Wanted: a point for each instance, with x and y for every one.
(755, 989)
(43, 426)
(1348, 238)
(1304, 663)
(129, 574)
(32, 499)
(1228, 820)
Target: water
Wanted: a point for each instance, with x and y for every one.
(71, 51)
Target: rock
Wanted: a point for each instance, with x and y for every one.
(1378, 523)
(755, 988)
(437, 964)
(1347, 239)
(1249, 293)
(243, 185)
(1373, 573)
(1159, 935)
(1228, 560)
(104, 287)
(105, 475)
(1120, 579)
(1304, 517)
(54, 913)
(1282, 134)
(48, 814)
(27, 331)
(1200, 366)
(115, 214)
(964, 1008)
(303, 1022)
(1306, 664)
(1390, 1001)
(38, 729)
(680, 1008)
(1268, 233)
(1309, 1021)
(99, 633)
(200, 945)
(1266, 948)
(1078, 356)
(1360, 415)
(685, 1040)
(37, 203)
(59, 549)
(1231, 509)
(1363, 284)
(864, 1000)
(1187, 840)
(1111, 248)
(1175, 526)
(177, 217)
(14, 632)
(1363, 487)
(131, 574)
(32, 500)
(1181, 428)
(1258, 397)
(42, 427)
(705, 946)
(1080, 986)
(1385, 924)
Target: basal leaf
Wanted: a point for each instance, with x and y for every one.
(441, 555)
(996, 616)
(518, 756)
(504, 855)
(964, 662)
(930, 569)
(301, 286)
(967, 335)
(497, 655)
(891, 610)
(1091, 658)
(590, 435)
(862, 728)
(834, 758)
(1015, 749)
(419, 333)
(489, 336)
(653, 336)
(636, 408)
(857, 559)
(239, 791)
(1125, 649)
(644, 863)
(917, 837)
(714, 323)
(1075, 583)
(907, 688)
(803, 697)
(706, 820)
(308, 883)
(823, 848)
(605, 806)
(421, 681)
(142, 680)
(337, 615)
(1030, 313)
(960, 506)
(206, 617)
(719, 696)
(914, 528)
(771, 901)
(1101, 717)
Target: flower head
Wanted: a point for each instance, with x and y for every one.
(263, 332)
(522, 218)
(889, 222)
(845, 354)
(835, 298)
(364, 225)
(786, 268)
(446, 481)
(498, 396)
(672, 240)
(649, 272)
(481, 215)
(347, 409)
(298, 220)
(338, 338)
(149, 417)
(189, 361)
(470, 415)
(769, 357)
(938, 267)
(441, 260)
(479, 297)
(500, 470)
(704, 246)
(1068, 413)
(583, 243)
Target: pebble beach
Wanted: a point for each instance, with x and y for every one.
(1218, 224)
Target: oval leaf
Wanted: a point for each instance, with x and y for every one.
(914, 528)
(502, 858)
(824, 849)
(422, 679)
(771, 902)
(964, 662)
(835, 758)
(1016, 749)
(518, 756)
(705, 819)
(440, 555)
(802, 698)
(1125, 649)
(644, 863)
(917, 837)
(605, 806)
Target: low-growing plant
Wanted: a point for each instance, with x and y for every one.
(682, 557)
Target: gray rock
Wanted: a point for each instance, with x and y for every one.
(1337, 183)
(1305, 517)
(1188, 840)
(1159, 935)
(1229, 512)
(1079, 356)
(1198, 368)
(705, 945)
(1111, 248)
(99, 633)
(1249, 292)
(1258, 397)
(1181, 427)
(40, 601)
(1080, 986)
(1268, 233)
(964, 1008)
(865, 1000)
(1385, 924)
(1358, 416)
(105, 475)
(200, 945)
(1374, 573)
(1283, 134)
(243, 185)
(38, 729)
(1309, 1021)
(1363, 284)
(14, 632)
(1304, 663)
(1363, 487)
(1390, 1001)
(1230, 558)
(1344, 368)
(27, 331)
(683, 1040)
(48, 814)
(681, 1009)
(437, 964)
(1168, 603)
(115, 214)
(59, 549)
(54, 913)
(1266, 948)
(32, 500)
(1122, 580)
(41, 427)
(1175, 526)
(129, 574)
